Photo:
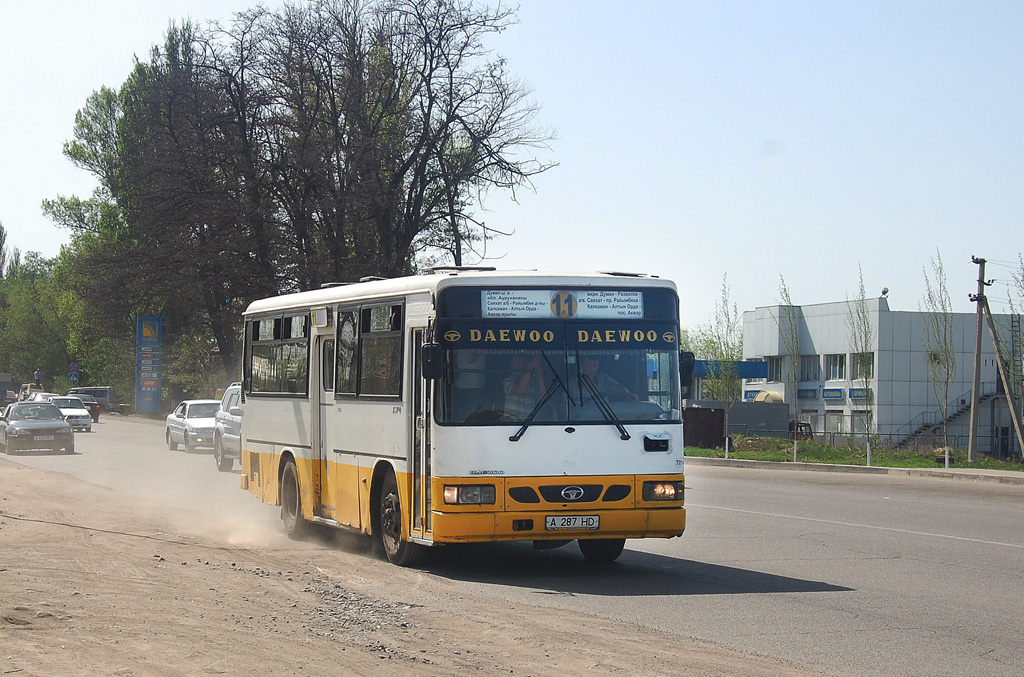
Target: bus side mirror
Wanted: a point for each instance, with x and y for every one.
(430, 361)
(686, 364)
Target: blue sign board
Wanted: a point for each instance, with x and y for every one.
(149, 335)
(831, 393)
(747, 369)
(807, 394)
(860, 393)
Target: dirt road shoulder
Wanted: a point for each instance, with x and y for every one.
(93, 583)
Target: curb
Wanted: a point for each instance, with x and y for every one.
(1001, 477)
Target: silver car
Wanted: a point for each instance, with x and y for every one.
(74, 412)
(191, 424)
(227, 432)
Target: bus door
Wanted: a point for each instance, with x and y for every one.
(324, 480)
(421, 443)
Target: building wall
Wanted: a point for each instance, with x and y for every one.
(903, 396)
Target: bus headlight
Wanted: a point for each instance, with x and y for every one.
(663, 491)
(469, 494)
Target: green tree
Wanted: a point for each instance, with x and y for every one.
(720, 342)
(320, 143)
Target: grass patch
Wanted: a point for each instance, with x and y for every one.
(779, 449)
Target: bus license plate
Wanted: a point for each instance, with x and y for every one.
(555, 522)
(42, 438)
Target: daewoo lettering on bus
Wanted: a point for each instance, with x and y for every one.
(469, 405)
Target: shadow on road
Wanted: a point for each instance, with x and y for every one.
(564, 571)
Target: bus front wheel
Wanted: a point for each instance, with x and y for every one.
(602, 549)
(400, 552)
(291, 502)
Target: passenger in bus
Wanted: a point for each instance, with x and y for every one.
(523, 386)
(590, 367)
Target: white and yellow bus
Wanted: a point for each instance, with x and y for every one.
(469, 405)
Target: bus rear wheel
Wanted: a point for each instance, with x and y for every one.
(291, 502)
(400, 552)
(602, 549)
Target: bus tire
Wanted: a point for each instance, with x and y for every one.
(400, 552)
(601, 549)
(291, 502)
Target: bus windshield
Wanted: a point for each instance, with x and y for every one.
(558, 356)
(481, 386)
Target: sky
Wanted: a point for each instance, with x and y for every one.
(738, 143)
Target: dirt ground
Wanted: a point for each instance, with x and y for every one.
(93, 583)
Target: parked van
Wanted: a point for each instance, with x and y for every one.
(105, 395)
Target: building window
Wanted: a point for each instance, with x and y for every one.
(774, 369)
(835, 367)
(862, 365)
(810, 368)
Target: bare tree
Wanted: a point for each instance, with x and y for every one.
(862, 358)
(789, 330)
(938, 339)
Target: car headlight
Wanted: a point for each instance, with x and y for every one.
(12, 432)
(469, 494)
(663, 491)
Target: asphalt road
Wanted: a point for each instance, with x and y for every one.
(849, 574)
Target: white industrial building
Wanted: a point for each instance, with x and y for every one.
(885, 390)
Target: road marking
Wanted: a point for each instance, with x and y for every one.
(862, 526)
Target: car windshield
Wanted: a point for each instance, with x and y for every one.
(202, 410)
(68, 402)
(36, 412)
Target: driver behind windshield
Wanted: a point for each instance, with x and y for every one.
(606, 385)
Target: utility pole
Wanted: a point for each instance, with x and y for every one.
(1005, 377)
(1004, 374)
(972, 439)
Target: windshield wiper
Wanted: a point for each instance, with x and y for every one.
(600, 401)
(604, 407)
(554, 372)
(556, 383)
(536, 408)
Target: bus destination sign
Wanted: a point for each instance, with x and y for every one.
(582, 304)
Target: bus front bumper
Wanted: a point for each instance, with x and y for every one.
(480, 527)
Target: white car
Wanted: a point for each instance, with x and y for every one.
(74, 412)
(191, 424)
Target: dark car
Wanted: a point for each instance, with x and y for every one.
(800, 430)
(35, 425)
(227, 432)
(91, 404)
(105, 395)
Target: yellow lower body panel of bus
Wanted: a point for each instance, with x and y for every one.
(557, 508)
